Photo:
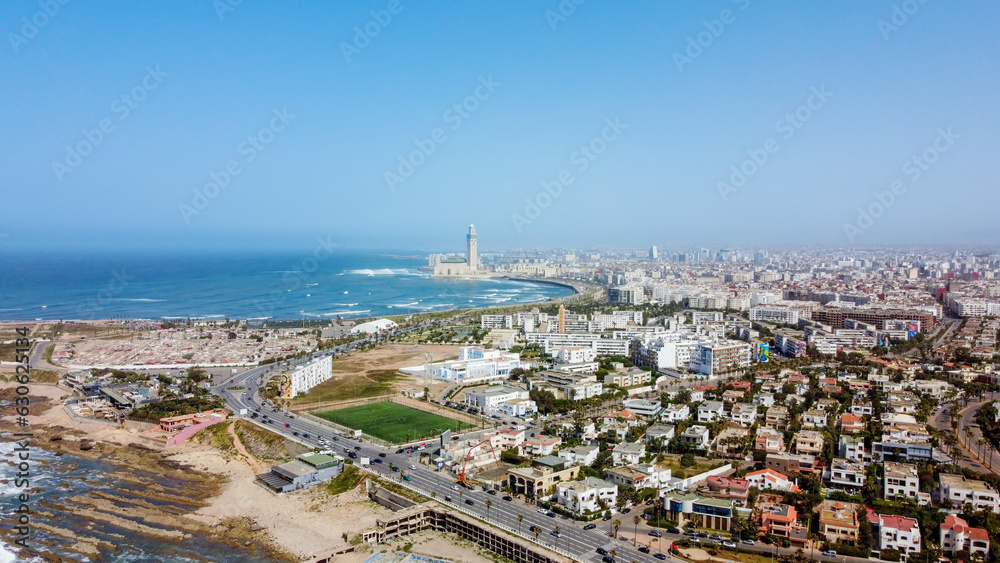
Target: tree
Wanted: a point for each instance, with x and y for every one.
(613, 553)
(489, 504)
(865, 538)
(616, 525)
(635, 531)
(558, 531)
(520, 518)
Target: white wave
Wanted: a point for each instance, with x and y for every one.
(311, 284)
(335, 313)
(139, 300)
(343, 304)
(14, 309)
(405, 305)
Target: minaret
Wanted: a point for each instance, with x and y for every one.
(473, 253)
(562, 319)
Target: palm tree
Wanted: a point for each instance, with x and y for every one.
(391, 464)
(616, 524)
(635, 531)
(489, 504)
(537, 531)
(613, 553)
(558, 531)
(433, 495)
(520, 518)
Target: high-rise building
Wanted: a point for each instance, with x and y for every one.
(473, 250)
(653, 253)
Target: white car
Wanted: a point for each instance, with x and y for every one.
(454, 487)
(413, 466)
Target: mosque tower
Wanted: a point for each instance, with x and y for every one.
(473, 250)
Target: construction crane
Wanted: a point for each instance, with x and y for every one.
(462, 478)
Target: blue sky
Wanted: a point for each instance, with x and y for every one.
(213, 81)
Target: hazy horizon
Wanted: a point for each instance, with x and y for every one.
(731, 123)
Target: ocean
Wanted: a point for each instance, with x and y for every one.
(242, 285)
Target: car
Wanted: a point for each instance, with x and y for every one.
(660, 556)
(602, 551)
(396, 469)
(413, 467)
(381, 454)
(556, 534)
(607, 559)
(295, 433)
(690, 533)
(715, 537)
(406, 478)
(728, 543)
(399, 451)
(830, 553)
(550, 514)
(674, 530)
(286, 425)
(643, 549)
(627, 510)
(376, 460)
(508, 498)
(702, 534)
(542, 511)
(747, 542)
(454, 487)
(291, 416)
(649, 502)
(491, 492)
(447, 498)
(655, 533)
(305, 435)
(334, 438)
(469, 502)
(357, 448)
(606, 517)
(590, 526)
(352, 455)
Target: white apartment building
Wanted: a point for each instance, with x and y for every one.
(852, 448)
(957, 535)
(814, 418)
(675, 413)
(602, 346)
(567, 385)
(628, 453)
(580, 455)
(474, 364)
(961, 491)
(490, 398)
(575, 354)
(697, 436)
(774, 314)
(585, 496)
(769, 479)
(643, 407)
(710, 411)
(496, 321)
(899, 533)
(743, 414)
(900, 481)
(722, 358)
(846, 474)
(304, 377)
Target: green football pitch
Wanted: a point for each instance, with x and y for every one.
(392, 422)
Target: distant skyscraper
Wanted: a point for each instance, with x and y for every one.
(562, 319)
(653, 253)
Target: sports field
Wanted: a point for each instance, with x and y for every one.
(392, 422)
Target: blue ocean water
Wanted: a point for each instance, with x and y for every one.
(241, 285)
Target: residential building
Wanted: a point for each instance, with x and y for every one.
(660, 432)
(769, 479)
(846, 475)
(489, 398)
(304, 471)
(643, 407)
(721, 359)
(781, 520)
(540, 481)
(566, 385)
(731, 442)
(851, 423)
(587, 495)
(900, 481)
(852, 448)
(695, 435)
(710, 411)
(790, 464)
(628, 452)
(304, 377)
(743, 414)
(961, 491)
(776, 417)
(896, 532)
(808, 442)
(957, 535)
(675, 413)
(630, 378)
(814, 418)
(769, 440)
(715, 513)
(838, 521)
(580, 455)
(542, 445)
